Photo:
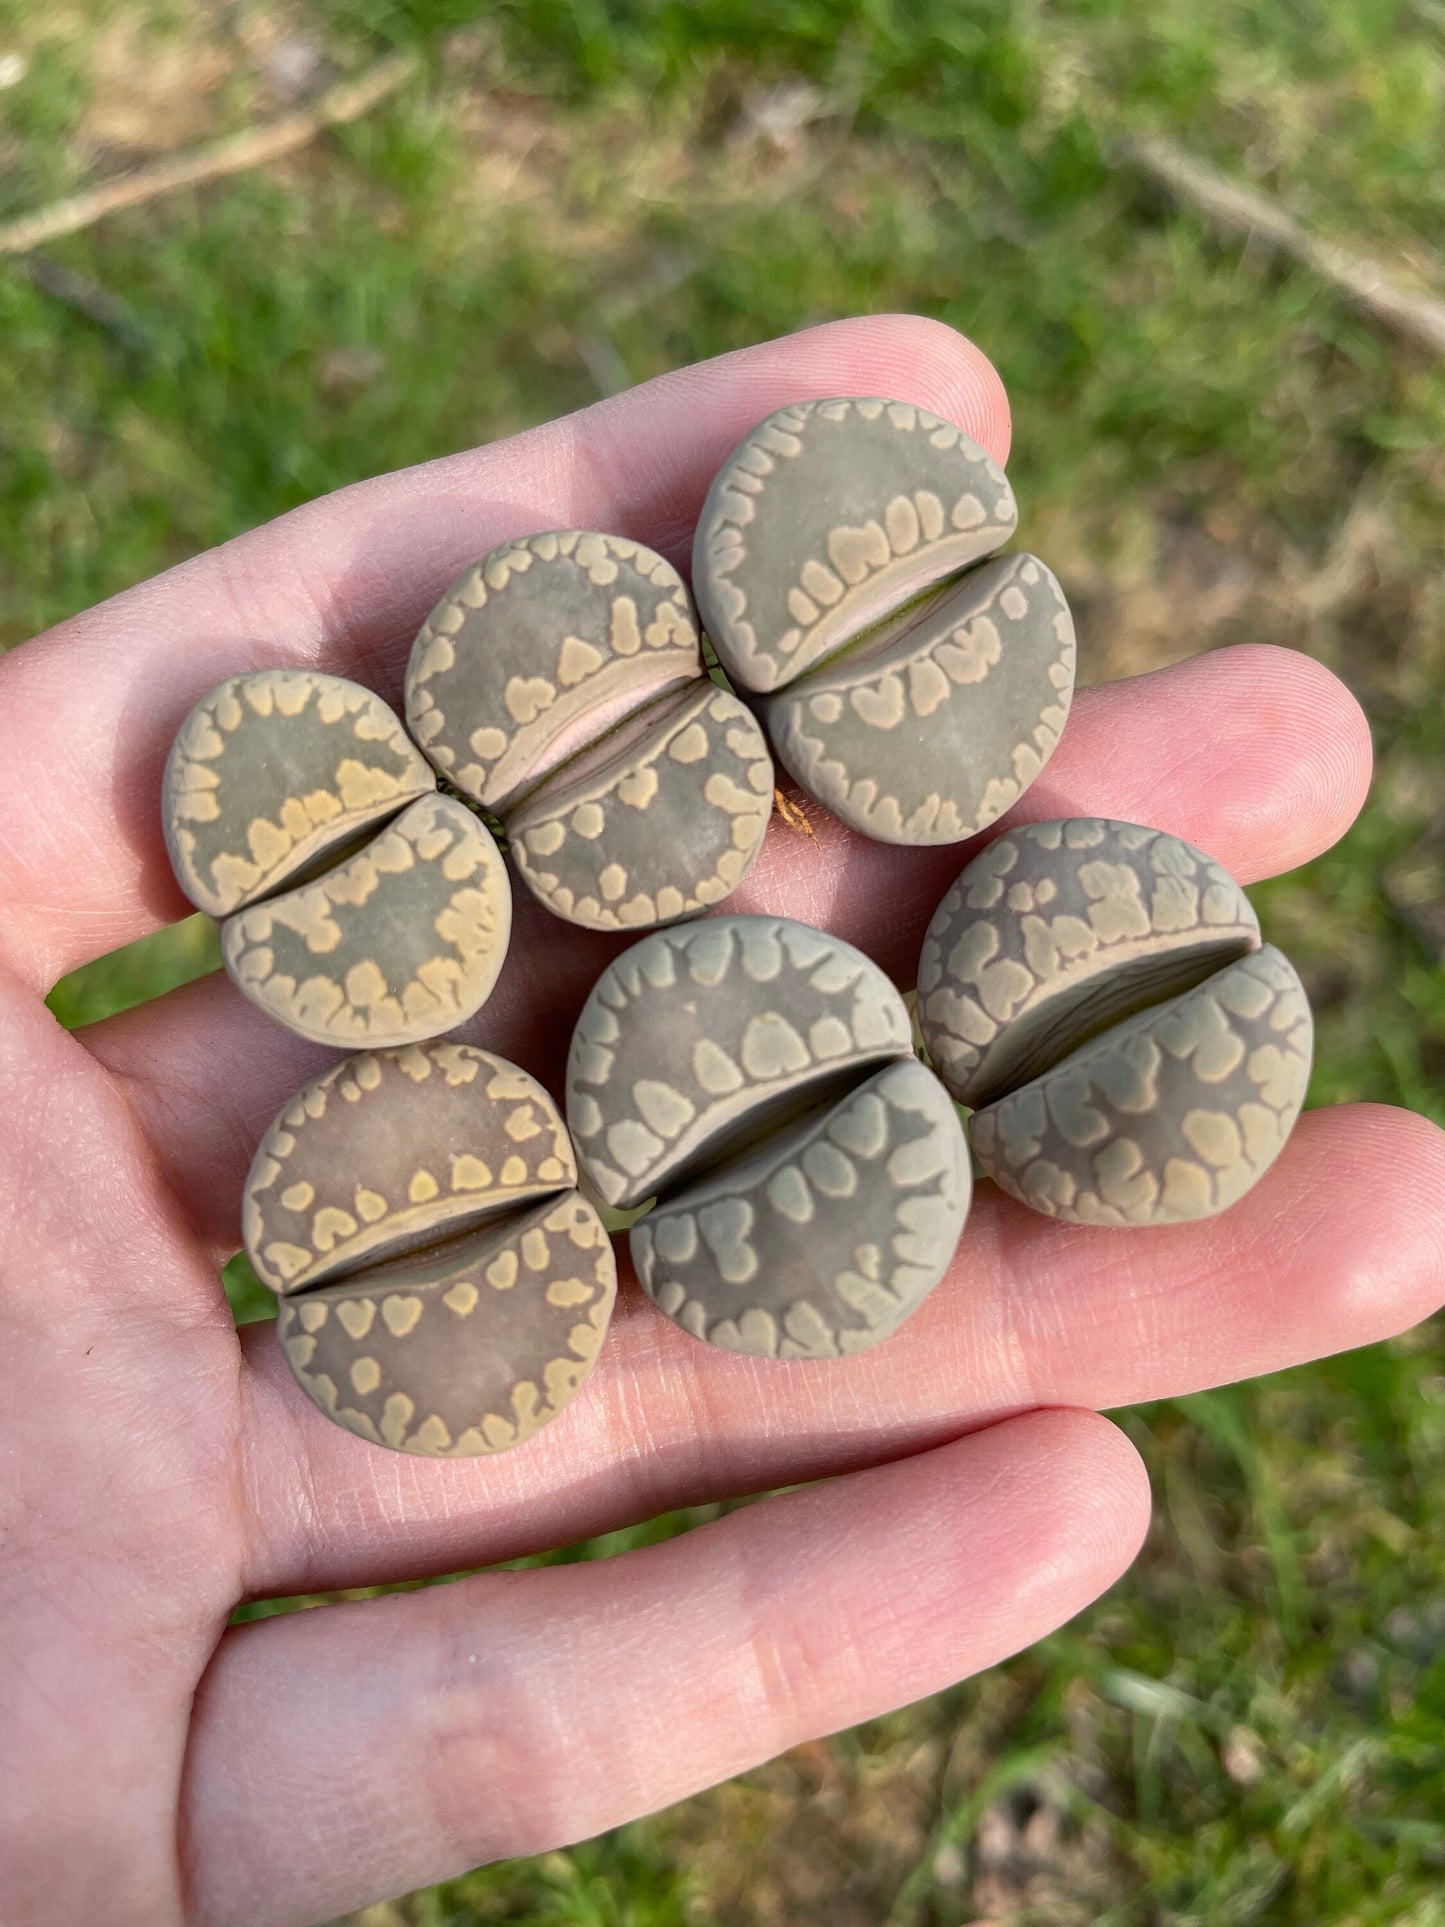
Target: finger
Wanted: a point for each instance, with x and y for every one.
(88, 711)
(1032, 1313)
(341, 1756)
(119, 1502)
(1258, 755)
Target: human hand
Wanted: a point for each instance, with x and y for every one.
(158, 1467)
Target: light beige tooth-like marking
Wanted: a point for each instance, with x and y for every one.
(667, 1111)
(577, 662)
(270, 771)
(434, 1109)
(402, 941)
(357, 1315)
(725, 1226)
(788, 1193)
(695, 1033)
(771, 1048)
(830, 1172)
(329, 1225)
(400, 1313)
(863, 1127)
(1170, 1116)
(462, 1298)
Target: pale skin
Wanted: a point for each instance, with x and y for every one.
(156, 1468)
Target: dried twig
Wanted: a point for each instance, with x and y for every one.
(1418, 317)
(791, 812)
(237, 152)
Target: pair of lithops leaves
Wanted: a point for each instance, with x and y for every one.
(909, 684)
(560, 684)
(444, 1287)
(1097, 994)
(757, 1079)
(357, 904)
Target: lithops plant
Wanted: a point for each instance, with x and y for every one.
(910, 685)
(359, 906)
(757, 1078)
(560, 684)
(1058, 929)
(445, 1288)
(1098, 992)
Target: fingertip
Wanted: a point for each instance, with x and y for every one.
(1089, 1494)
(917, 359)
(1314, 729)
(1334, 782)
(1393, 1162)
(1261, 756)
(1029, 1520)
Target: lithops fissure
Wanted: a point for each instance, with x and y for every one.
(916, 713)
(1098, 992)
(467, 1352)
(1057, 931)
(1172, 1116)
(359, 906)
(695, 1037)
(392, 1149)
(756, 1077)
(273, 769)
(823, 1242)
(445, 1288)
(660, 820)
(400, 942)
(560, 684)
(929, 732)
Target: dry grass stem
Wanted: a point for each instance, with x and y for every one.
(1417, 317)
(348, 100)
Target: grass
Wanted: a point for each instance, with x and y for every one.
(1251, 1727)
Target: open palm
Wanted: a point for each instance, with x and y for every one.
(156, 1467)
